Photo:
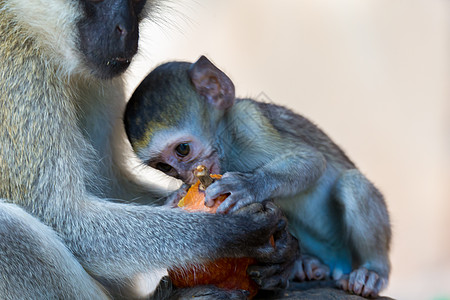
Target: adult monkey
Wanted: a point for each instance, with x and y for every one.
(59, 96)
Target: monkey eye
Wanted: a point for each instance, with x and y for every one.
(182, 149)
(163, 167)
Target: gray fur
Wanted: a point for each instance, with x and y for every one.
(28, 251)
(266, 151)
(60, 158)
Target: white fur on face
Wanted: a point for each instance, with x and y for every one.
(53, 23)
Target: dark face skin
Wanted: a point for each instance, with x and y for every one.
(182, 155)
(108, 34)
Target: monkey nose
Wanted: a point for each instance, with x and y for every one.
(121, 30)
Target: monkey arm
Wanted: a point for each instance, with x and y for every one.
(119, 242)
(291, 172)
(54, 144)
(36, 264)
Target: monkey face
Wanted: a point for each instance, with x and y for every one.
(108, 34)
(180, 157)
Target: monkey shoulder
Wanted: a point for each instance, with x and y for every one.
(250, 113)
(283, 119)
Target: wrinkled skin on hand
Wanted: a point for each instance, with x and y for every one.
(362, 282)
(275, 264)
(239, 186)
(310, 268)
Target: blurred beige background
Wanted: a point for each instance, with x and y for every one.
(374, 74)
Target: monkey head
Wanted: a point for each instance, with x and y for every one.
(108, 34)
(89, 37)
(173, 117)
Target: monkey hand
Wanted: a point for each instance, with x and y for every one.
(310, 268)
(175, 197)
(363, 282)
(239, 186)
(275, 262)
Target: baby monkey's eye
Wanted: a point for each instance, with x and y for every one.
(183, 149)
(163, 167)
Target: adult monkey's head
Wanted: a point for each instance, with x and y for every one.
(108, 33)
(87, 37)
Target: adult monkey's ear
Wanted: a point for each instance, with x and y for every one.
(212, 83)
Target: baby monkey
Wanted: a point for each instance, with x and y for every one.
(184, 114)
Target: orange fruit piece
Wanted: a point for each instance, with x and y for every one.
(226, 273)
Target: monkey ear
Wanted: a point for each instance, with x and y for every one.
(212, 83)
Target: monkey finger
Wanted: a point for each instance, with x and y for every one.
(374, 284)
(281, 236)
(280, 233)
(256, 271)
(173, 198)
(268, 276)
(281, 226)
(314, 269)
(299, 272)
(253, 208)
(381, 284)
(274, 282)
(286, 249)
(308, 270)
(184, 188)
(263, 221)
(370, 284)
(342, 283)
(321, 272)
(215, 190)
(269, 206)
(209, 202)
(268, 254)
(239, 200)
(230, 204)
(357, 280)
(351, 280)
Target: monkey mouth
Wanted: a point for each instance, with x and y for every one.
(118, 61)
(122, 60)
(112, 67)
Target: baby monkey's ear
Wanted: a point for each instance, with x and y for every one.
(212, 83)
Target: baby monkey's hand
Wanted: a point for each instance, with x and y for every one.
(241, 188)
(175, 197)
